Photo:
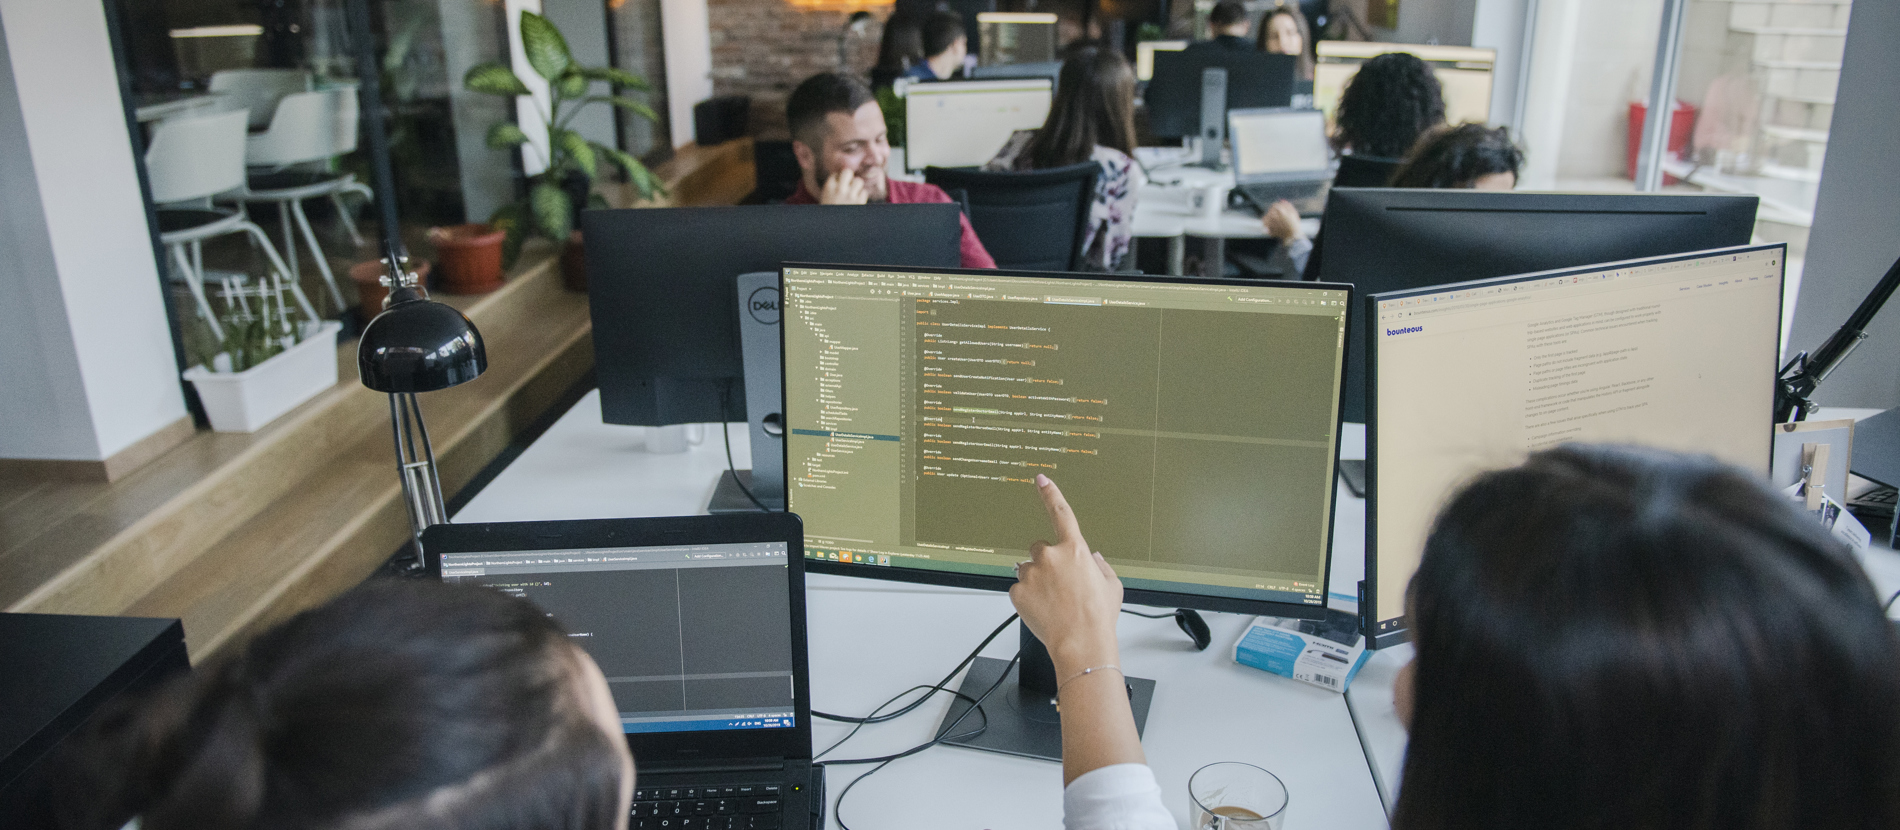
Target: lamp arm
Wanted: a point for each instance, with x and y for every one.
(1803, 374)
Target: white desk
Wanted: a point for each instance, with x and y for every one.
(1164, 209)
(871, 639)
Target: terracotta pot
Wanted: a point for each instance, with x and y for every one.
(574, 263)
(470, 257)
(370, 290)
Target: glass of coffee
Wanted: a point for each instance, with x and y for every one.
(1235, 796)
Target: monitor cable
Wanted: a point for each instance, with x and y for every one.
(725, 432)
(941, 686)
(1190, 622)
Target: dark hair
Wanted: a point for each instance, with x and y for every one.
(1094, 105)
(941, 31)
(901, 47)
(401, 704)
(1454, 157)
(1305, 58)
(1226, 13)
(819, 96)
(1610, 637)
(1391, 100)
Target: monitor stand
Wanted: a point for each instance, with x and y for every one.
(1213, 117)
(728, 498)
(1021, 713)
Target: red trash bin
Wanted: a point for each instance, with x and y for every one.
(1681, 126)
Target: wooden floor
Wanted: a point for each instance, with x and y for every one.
(233, 532)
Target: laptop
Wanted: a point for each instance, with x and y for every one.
(698, 623)
(1280, 153)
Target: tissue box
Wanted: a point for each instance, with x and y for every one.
(1326, 653)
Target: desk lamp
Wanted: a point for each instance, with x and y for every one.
(414, 345)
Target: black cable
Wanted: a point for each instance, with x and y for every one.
(1889, 606)
(1167, 616)
(725, 431)
(940, 686)
(837, 807)
(874, 719)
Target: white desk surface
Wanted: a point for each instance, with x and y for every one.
(871, 639)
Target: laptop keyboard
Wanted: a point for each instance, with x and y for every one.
(723, 807)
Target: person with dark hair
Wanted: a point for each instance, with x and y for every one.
(1606, 637)
(901, 48)
(1468, 157)
(945, 45)
(1091, 119)
(842, 145)
(1283, 32)
(1228, 23)
(1392, 100)
(402, 704)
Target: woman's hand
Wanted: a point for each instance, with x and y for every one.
(1067, 594)
(1282, 221)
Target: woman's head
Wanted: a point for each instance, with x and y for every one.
(1622, 638)
(1094, 105)
(1468, 156)
(1283, 31)
(1389, 102)
(902, 45)
(402, 704)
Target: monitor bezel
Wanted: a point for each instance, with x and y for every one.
(1397, 630)
(1135, 596)
(662, 748)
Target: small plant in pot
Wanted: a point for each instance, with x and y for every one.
(558, 194)
(266, 361)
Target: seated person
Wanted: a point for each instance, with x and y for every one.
(901, 48)
(945, 46)
(1468, 156)
(1228, 23)
(401, 705)
(1091, 118)
(1283, 32)
(842, 146)
(1391, 101)
(1606, 637)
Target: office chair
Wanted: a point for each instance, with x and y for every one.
(775, 172)
(1029, 221)
(291, 163)
(1365, 171)
(257, 91)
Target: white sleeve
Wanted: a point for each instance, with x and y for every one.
(1299, 250)
(1115, 797)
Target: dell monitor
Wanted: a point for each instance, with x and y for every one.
(664, 299)
(1463, 72)
(1392, 239)
(1252, 79)
(965, 123)
(1674, 352)
(1192, 424)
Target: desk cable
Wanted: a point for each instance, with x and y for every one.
(725, 432)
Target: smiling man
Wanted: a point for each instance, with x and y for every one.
(838, 135)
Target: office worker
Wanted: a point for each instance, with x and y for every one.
(1228, 23)
(1091, 118)
(1283, 32)
(1468, 157)
(842, 146)
(945, 46)
(1607, 637)
(900, 48)
(402, 704)
(1391, 101)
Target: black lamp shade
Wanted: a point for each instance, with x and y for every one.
(417, 345)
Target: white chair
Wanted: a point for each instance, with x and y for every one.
(191, 159)
(257, 91)
(307, 127)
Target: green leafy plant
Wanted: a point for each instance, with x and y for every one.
(548, 211)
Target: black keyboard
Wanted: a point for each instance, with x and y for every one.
(722, 807)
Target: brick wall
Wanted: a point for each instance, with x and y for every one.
(764, 48)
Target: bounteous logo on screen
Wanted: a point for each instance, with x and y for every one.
(1405, 330)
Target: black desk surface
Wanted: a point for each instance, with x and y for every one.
(56, 670)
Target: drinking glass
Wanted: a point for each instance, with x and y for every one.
(1234, 796)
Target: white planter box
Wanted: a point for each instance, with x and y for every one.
(246, 401)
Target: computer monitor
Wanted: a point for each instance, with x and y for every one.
(1269, 142)
(664, 301)
(1463, 71)
(1674, 352)
(1389, 239)
(1145, 55)
(1015, 37)
(1173, 97)
(1015, 71)
(964, 123)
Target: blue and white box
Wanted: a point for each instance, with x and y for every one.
(1305, 650)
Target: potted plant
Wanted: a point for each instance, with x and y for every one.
(558, 194)
(266, 363)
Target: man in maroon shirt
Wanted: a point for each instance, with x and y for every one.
(838, 135)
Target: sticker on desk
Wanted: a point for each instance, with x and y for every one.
(1325, 653)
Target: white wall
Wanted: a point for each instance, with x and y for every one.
(686, 29)
(1500, 25)
(86, 366)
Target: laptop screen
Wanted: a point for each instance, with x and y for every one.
(691, 637)
(1278, 141)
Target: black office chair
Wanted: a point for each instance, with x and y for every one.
(1365, 171)
(1030, 221)
(775, 171)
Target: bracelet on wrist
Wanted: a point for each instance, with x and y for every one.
(1086, 672)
